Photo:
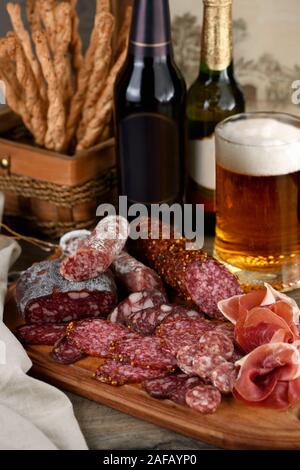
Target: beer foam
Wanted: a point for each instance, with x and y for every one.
(258, 147)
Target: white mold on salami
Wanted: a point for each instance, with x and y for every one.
(44, 296)
(71, 241)
(97, 251)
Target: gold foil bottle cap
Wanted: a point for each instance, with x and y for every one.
(217, 3)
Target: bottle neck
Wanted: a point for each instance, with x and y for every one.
(216, 45)
(151, 29)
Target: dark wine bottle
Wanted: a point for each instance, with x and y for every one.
(150, 111)
(214, 96)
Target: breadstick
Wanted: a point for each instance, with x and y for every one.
(12, 87)
(76, 43)
(103, 6)
(14, 12)
(63, 36)
(103, 107)
(33, 15)
(124, 32)
(102, 60)
(83, 81)
(55, 136)
(33, 102)
(47, 8)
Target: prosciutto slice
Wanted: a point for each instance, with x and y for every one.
(261, 317)
(269, 376)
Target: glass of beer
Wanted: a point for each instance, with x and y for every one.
(258, 198)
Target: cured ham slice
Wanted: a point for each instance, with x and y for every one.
(269, 376)
(261, 317)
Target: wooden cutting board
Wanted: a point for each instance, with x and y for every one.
(233, 426)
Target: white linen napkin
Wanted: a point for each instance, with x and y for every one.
(33, 414)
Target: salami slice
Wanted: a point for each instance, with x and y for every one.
(146, 321)
(134, 275)
(144, 352)
(44, 296)
(116, 373)
(204, 398)
(164, 387)
(97, 251)
(193, 274)
(216, 343)
(173, 387)
(185, 325)
(96, 337)
(179, 394)
(224, 376)
(180, 333)
(66, 353)
(71, 241)
(205, 364)
(181, 312)
(185, 358)
(46, 334)
(136, 302)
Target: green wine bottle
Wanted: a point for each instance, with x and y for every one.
(213, 97)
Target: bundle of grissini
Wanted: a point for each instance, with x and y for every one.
(176, 351)
(64, 98)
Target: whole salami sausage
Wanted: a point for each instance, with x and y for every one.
(45, 334)
(44, 296)
(134, 275)
(136, 302)
(193, 274)
(97, 251)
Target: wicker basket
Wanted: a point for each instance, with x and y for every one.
(55, 192)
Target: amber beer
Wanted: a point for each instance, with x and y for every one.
(258, 197)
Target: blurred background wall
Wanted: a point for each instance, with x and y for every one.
(266, 37)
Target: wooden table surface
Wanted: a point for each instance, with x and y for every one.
(105, 428)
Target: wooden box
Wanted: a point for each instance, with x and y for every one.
(54, 192)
